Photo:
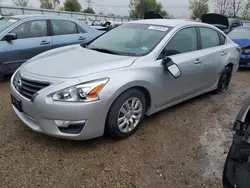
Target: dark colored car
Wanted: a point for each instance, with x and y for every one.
(222, 22)
(237, 167)
(234, 22)
(241, 36)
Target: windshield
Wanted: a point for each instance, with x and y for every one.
(6, 22)
(130, 39)
(240, 33)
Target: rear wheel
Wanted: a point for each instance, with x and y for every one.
(125, 114)
(224, 80)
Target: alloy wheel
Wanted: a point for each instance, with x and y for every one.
(129, 115)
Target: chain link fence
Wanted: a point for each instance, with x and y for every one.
(9, 11)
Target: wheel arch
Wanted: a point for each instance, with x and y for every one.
(231, 65)
(141, 86)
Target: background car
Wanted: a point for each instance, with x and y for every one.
(217, 20)
(236, 170)
(246, 23)
(222, 22)
(114, 81)
(234, 22)
(241, 36)
(23, 37)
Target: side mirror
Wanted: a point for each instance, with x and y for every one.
(10, 36)
(171, 67)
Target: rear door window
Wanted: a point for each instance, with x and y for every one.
(209, 38)
(64, 27)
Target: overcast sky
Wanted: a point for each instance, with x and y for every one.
(177, 8)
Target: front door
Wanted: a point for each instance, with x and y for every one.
(32, 39)
(183, 50)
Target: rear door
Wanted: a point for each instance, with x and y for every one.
(66, 33)
(32, 39)
(214, 58)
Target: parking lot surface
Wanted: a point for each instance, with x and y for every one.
(184, 146)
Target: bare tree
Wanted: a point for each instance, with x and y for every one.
(246, 9)
(236, 7)
(222, 6)
(22, 3)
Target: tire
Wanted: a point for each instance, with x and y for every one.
(130, 118)
(224, 80)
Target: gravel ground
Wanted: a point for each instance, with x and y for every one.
(184, 146)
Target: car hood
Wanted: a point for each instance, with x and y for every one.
(243, 43)
(215, 19)
(75, 61)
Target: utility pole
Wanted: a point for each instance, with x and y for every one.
(89, 3)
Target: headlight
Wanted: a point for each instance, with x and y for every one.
(85, 92)
(247, 51)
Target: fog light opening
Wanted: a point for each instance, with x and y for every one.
(70, 127)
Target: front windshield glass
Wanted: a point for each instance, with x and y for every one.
(6, 22)
(130, 39)
(240, 33)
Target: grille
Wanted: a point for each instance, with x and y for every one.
(26, 87)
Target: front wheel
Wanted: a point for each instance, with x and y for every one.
(125, 114)
(224, 80)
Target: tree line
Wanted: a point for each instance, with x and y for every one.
(69, 5)
(137, 7)
(230, 8)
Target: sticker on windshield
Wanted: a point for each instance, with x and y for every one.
(144, 48)
(158, 28)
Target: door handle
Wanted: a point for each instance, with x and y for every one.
(81, 38)
(224, 53)
(44, 42)
(197, 61)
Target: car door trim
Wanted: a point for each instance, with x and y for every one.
(49, 27)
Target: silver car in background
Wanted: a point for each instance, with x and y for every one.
(139, 68)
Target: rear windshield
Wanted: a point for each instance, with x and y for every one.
(6, 22)
(131, 39)
(240, 33)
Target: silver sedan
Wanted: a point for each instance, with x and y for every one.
(139, 68)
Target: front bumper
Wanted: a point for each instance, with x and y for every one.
(244, 61)
(40, 115)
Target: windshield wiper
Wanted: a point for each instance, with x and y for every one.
(104, 50)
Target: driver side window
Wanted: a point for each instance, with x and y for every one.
(184, 41)
(31, 29)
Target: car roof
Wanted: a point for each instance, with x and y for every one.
(37, 16)
(166, 22)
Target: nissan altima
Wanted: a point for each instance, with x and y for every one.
(139, 68)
